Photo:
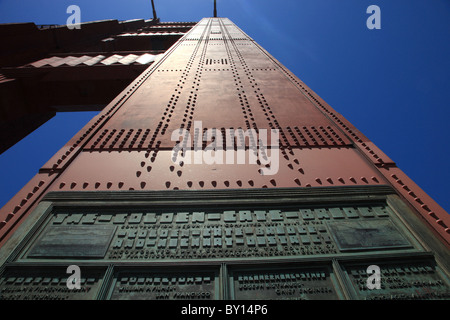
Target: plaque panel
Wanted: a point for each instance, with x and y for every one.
(152, 234)
(297, 283)
(74, 241)
(148, 284)
(49, 283)
(366, 235)
(409, 279)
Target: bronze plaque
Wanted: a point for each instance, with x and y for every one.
(163, 285)
(399, 280)
(49, 283)
(91, 241)
(316, 283)
(210, 234)
(367, 235)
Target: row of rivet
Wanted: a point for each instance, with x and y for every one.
(214, 183)
(25, 200)
(245, 105)
(192, 100)
(273, 122)
(420, 202)
(36, 188)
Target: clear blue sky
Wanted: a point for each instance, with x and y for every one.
(392, 84)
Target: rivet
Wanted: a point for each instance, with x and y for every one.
(432, 214)
(440, 222)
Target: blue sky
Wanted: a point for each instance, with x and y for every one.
(392, 83)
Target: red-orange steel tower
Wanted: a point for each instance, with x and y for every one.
(329, 198)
